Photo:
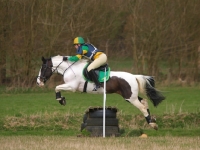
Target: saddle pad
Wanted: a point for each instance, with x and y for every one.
(102, 75)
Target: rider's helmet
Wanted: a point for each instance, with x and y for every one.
(79, 40)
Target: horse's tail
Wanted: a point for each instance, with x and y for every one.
(147, 86)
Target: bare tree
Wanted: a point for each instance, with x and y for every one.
(160, 37)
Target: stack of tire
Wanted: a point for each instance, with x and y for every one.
(93, 121)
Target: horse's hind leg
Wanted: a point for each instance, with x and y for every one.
(142, 105)
(145, 103)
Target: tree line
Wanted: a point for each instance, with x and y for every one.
(160, 38)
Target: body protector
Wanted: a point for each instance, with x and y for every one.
(92, 50)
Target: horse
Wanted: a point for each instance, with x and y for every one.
(123, 83)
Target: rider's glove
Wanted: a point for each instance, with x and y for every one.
(65, 58)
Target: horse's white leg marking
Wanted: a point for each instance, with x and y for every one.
(145, 103)
(143, 108)
(139, 105)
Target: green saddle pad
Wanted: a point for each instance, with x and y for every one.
(102, 75)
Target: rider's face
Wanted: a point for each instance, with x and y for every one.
(76, 46)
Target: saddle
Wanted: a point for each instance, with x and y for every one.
(100, 72)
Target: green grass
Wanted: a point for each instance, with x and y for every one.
(178, 100)
(38, 113)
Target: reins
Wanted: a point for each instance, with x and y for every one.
(46, 66)
(69, 67)
(65, 69)
(56, 66)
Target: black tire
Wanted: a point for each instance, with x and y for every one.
(98, 130)
(85, 117)
(99, 122)
(83, 125)
(99, 114)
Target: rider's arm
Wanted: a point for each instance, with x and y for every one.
(75, 58)
(81, 51)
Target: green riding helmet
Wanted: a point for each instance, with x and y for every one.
(79, 40)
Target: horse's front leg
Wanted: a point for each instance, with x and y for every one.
(61, 87)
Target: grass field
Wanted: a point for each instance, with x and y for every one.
(35, 120)
(74, 143)
(178, 100)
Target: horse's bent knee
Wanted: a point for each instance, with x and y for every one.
(56, 90)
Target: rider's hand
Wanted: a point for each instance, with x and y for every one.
(65, 58)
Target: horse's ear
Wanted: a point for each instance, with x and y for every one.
(43, 59)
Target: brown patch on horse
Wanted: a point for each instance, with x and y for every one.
(119, 86)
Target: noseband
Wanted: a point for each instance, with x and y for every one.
(45, 66)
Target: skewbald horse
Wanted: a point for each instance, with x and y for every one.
(123, 83)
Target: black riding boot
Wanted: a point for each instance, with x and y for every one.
(94, 79)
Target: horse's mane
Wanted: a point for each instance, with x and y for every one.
(57, 57)
(61, 57)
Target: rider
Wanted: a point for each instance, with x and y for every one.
(90, 51)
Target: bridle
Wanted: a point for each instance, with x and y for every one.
(45, 66)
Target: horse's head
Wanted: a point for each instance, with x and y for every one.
(45, 71)
(57, 65)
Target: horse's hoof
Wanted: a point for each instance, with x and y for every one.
(154, 125)
(153, 119)
(62, 101)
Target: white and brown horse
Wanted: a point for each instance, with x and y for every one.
(123, 83)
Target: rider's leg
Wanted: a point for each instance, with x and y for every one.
(95, 79)
(101, 60)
